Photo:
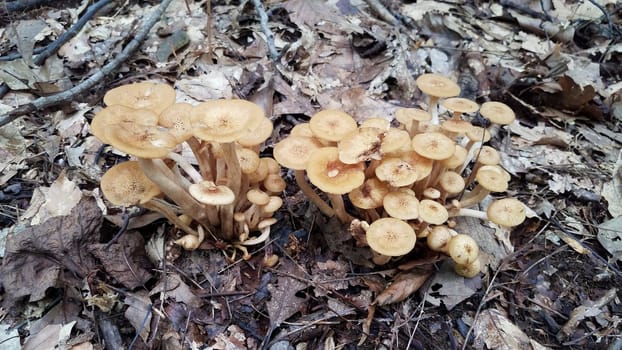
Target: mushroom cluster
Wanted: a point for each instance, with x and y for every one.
(221, 185)
(406, 181)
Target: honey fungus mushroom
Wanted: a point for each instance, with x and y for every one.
(331, 125)
(463, 249)
(144, 95)
(497, 112)
(126, 184)
(436, 87)
(390, 237)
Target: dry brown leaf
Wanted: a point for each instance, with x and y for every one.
(404, 285)
(283, 301)
(138, 312)
(496, 331)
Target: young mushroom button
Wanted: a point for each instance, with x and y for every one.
(391, 237)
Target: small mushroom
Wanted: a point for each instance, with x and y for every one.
(497, 112)
(432, 212)
(401, 204)
(459, 105)
(411, 117)
(506, 212)
(207, 192)
(463, 249)
(391, 237)
(433, 145)
(436, 86)
(438, 238)
(362, 144)
(469, 270)
(145, 95)
(396, 172)
(332, 125)
(490, 178)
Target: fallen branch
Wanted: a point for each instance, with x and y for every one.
(263, 20)
(47, 101)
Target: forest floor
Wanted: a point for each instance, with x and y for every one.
(552, 282)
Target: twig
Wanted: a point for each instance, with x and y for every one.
(263, 20)
(44, 102)
(66, 36)
(382, 12)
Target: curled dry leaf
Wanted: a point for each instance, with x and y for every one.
(404, 285)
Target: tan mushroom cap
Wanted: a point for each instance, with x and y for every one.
(362, 144)
(421, 163)
(258, 135)
(274, 183)
(225, 120)
(332, 125)
(126, 184)
(394, 140)
(248, 159)
(396, 172)
(257, 196)
(391, 237)
(478, 134)
(487, 155)
(438, 238)
(451, 182)
(369, 195)
(456, 126)
(145, 141)
(469, 270)
(463, 249)
(146, 95)
(208, 192)
(437, 85)
(176, 118)
(271, 164)
(376, 122)
(433, 145)
(119, 114)
(456, 159)
(506, 212)
(460, 105)
(407, 115)
(294, 151)
(330, 175)
(432, 212)
(402, 205)
(273, 205)
(497, 112)
(493, 178)
(302, 129)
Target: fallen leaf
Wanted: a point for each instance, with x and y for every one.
(610, 236)
(449, 289)
(139, 312)
(496, 331)
(402, 287)
(50, 337)
(283, 301)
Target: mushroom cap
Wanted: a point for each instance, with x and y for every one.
(332, 125)
(274, 183)
(402, 205)
(487, 155)
(208, 192)
(431, 193)
(118, 114)
(369, 195)
(391, 237)
(225, 120)
(478, 134)
(273, 205)
(248, 159)
(460, 105)
(302, 129)
(421, 163)
(258, 135)
(330, 175)
(271, 164)
(438, 238)
(497, 112)
(506, 212)
(176, 118)
(294, 151)
(362, 144)
(432, 212)
(257, 196)
(396, 172)
(393, 140)
(463, 249)
(451, 182)
(433, 145)
(126, 184)
(146, 95)
(457, 126)
(145, 141)
(493, 178)
(376, 122)
(469, 270)
(407, 115)
(437, 85)
(456, 159)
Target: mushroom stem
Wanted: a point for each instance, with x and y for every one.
(304, 186)
(340, 210)
(201, 153)
(474, 197)
(186, 166)
(161, 175)
(234, 175)
(433, 109)
(468, 212)
(165, 209)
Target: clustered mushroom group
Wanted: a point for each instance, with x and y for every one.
(406, 181)
(197, 165)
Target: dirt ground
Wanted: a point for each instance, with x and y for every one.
(550, 283)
